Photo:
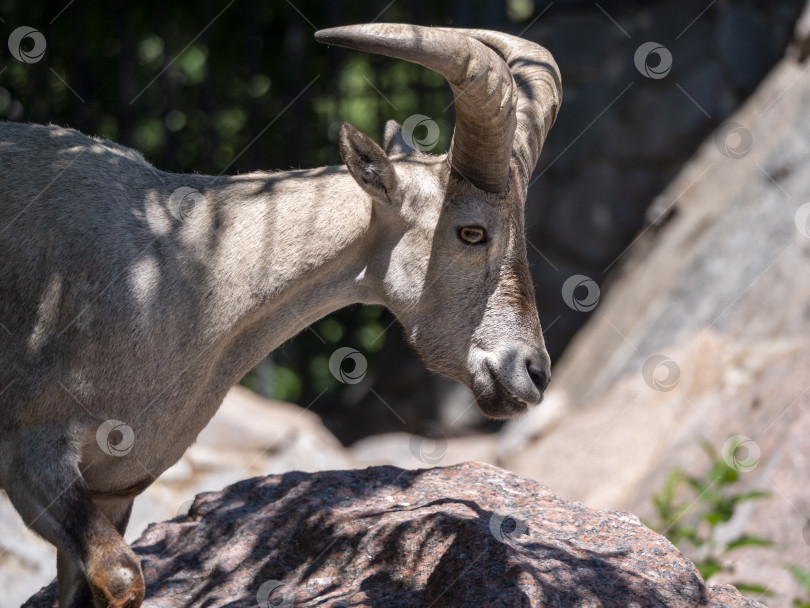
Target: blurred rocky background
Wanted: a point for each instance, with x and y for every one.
(678, 190)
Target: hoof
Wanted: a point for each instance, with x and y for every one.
(116, 580)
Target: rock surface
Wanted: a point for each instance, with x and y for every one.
(800, 47)
(718, 289)
(618, 451)
(25, 559)
(723, 249)
(594, 185)
(463, 536)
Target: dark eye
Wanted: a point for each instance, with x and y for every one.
(473, 235)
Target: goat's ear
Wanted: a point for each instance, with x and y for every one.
(393, 142)
(368, 163)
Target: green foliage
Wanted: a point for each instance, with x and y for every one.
(690, 508)
(300, 370)
(803, 577)
(750, 589)
(519, 10)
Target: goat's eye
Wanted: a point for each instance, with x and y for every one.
(473, 235)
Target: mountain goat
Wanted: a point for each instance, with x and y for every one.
(131, 299)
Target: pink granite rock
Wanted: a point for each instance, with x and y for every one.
(464, 536)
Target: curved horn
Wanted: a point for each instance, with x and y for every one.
(539, 90)
(484, 91)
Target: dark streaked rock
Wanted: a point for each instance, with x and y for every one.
(463, 536)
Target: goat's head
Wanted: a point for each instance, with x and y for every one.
(450, 245)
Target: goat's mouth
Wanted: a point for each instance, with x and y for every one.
(496, 401)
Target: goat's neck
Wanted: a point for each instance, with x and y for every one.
(280, 251)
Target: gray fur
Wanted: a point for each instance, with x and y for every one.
(118, 304)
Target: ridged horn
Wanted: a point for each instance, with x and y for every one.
(539, 88)
(483, 89)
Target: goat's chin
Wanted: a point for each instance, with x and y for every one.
(495, 402)
(493, 399)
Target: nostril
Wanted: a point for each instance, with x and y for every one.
(539, 376)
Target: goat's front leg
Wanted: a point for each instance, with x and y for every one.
(94, 563)
(74, 589)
